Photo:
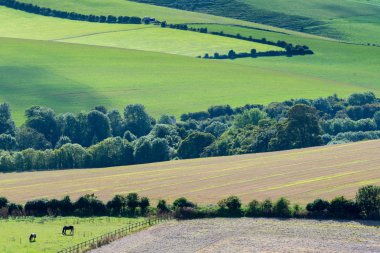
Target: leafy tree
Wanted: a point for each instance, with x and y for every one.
(137, 120)
(194, 145)
(282, 208)
(220, 110)
(62, 141)
(318, 208)
(117, 122)
(143, 147)
(71, 156)
(267, 208)
(167, 119)
(133, 202)
(342, 208)
(7, 142)
(117, 204)
(368, 200)
(3, 202)
(43, 120)
(361, 98)
(162, 207)
(182, 202)
(29, 138)
(99, 126)
(249, 117)
(7, 125)
(376, 117)
(129, 136)
(69, 126)
(254, 209)
(111, 152)
(144, 204)
(160, 150)
(300, 130)
(216, 128)
(230, 205)
(89, 205)
(101, 108)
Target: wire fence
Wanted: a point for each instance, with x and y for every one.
(114, 235)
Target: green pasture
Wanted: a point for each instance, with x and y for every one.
(348, 63)
(351, 20)
(130, 8)
(14, 233)
(23, 25)
(69, 77)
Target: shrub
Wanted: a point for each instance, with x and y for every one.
(230, 206)
(368, 200)
(254, 209)
(282, 208)
(162, 207)
(267, 208)
(318, 208)
(182, 202)
(342, 208)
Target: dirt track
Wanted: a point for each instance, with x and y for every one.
(300, 175)
(251, 235)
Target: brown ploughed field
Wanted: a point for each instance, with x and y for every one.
(300, 175)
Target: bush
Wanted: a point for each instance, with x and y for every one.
(182, 202)
(267, 208)
(162, 207)
(368, 200)
(230, 206)
(282, 208)
(318, 208)
(254, 209)
(342, 208)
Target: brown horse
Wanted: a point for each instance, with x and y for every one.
(65, 228)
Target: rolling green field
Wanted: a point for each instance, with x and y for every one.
(349, 20)
(17, 24)
(14, 233)
(36, 68)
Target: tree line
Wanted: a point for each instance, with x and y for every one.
(105, 138)
(366, 205)
(35, 9)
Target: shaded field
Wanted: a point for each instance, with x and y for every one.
(14, 233)
(251, 235)
(300, 175)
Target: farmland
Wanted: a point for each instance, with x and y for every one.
(37, 68)
(14, 233)
(300, 175)
(251, 235)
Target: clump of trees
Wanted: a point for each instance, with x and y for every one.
(104, 138)
(366, 205)
(35, 9)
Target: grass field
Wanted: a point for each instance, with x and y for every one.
(355, 21)
(251, 235)
(18, 24)
(77, 77)
(14, 233)
(300, 175)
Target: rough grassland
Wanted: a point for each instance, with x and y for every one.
(251, 235)
(300, 175)
(17, 24)
(14, 233)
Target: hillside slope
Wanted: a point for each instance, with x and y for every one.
(300, 175)
(356, 21)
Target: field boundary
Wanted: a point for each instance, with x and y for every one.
(109, 237)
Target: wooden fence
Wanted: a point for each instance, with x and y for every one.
(114, 235)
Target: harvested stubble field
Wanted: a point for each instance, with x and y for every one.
(252, 235)
(300, 175)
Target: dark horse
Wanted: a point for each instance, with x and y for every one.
(65, 228)
(32, 237)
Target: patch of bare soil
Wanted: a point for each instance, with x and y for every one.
(252, 235)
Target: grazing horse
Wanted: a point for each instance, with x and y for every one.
(65, 228)
(32, 237)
